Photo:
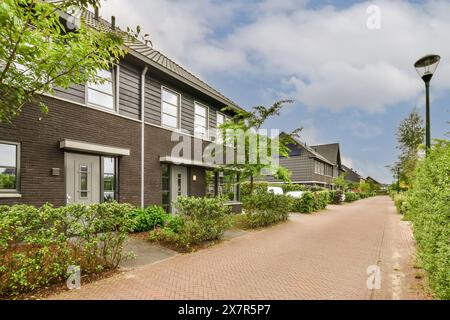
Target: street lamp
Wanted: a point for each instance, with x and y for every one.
(426, 67)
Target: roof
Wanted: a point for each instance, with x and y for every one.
(329, 151)
(157, 59)
(312, 151)
(351, 173)
(374, 181)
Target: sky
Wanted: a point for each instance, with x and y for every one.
(351, 74)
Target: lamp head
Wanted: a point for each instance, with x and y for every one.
(426, 66)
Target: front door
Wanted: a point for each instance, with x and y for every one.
(178, 183)
(82, 178)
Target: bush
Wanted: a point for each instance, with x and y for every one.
(321, 199)
(198, 220)
(351, 196)
(305, 204)
(400, 202)
(292, 187)
(37, 245)
(263, 209)
(149, 218)
(257, 187)
(429, 211)
(336, 196)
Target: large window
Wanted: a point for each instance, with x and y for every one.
(200, 120)
(319, 168)
(102, 95)
(170, 108)
(165, 187)
(9, 166)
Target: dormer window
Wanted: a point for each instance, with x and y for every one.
(102, 94)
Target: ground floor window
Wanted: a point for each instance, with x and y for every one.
(109, 178)
(9, 167)
(165, 182)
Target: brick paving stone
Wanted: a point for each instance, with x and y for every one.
(318, 256)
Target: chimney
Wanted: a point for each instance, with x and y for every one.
(113, 22)
(96, 13)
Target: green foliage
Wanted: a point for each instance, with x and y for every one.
(400, 201)
(263, 209)
(198, 220)
(247, 124)
(292, 187)
(38, 52)
(7, 181)
(246, 187)
(352, 196)
(340, 182)
(305, 204)
(336, 196)
(38, 244)
(148, 218)
(410, 137)
(429, 210)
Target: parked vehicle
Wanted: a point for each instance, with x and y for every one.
(295, 194)
(275, 190)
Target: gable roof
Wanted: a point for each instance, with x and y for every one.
(158, 60)
(329, 151)
(373, 180)
(310, 150)
(351, 174)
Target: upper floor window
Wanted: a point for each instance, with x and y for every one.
(102, 94)
(9, 167)
(170, 108)
(319, 168)
(200, 120)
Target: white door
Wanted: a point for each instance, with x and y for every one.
(82, 178)
(178, 183)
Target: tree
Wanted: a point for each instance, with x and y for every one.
(39, 51)
(340, 182)
(250, 122)
(410, 137)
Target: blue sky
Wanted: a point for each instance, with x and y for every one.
(351, 84)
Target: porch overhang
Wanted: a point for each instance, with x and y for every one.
(80, 146)
(187, 162)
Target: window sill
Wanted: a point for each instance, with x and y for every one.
(10, 195)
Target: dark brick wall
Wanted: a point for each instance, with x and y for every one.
(40, 134)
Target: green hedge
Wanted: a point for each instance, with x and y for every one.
(198, 220)
(351, 196)
(429, 210)
(263, 209)
(148, 218)
(37, 245)
(400, 201)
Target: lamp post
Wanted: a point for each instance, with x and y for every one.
(426, 66)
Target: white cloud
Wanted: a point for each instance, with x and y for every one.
(328, 56)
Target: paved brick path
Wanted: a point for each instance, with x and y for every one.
(319, 256)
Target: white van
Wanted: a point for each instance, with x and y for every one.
(275, 190)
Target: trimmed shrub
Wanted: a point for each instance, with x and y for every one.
(321, 199)
(305, 204)
(429, 210)
(37, 245)
(148, 218)
(257, 187)
(198, 220)
(292, 187)
(351, 196)
(400, 202)
(263, 209)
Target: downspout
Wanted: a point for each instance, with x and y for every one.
(143, 74)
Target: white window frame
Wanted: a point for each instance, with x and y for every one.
(18, 155)
(205, 135)
(164, 88)
(113, 94)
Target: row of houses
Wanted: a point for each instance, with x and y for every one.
(114, 141)
(317, 165)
